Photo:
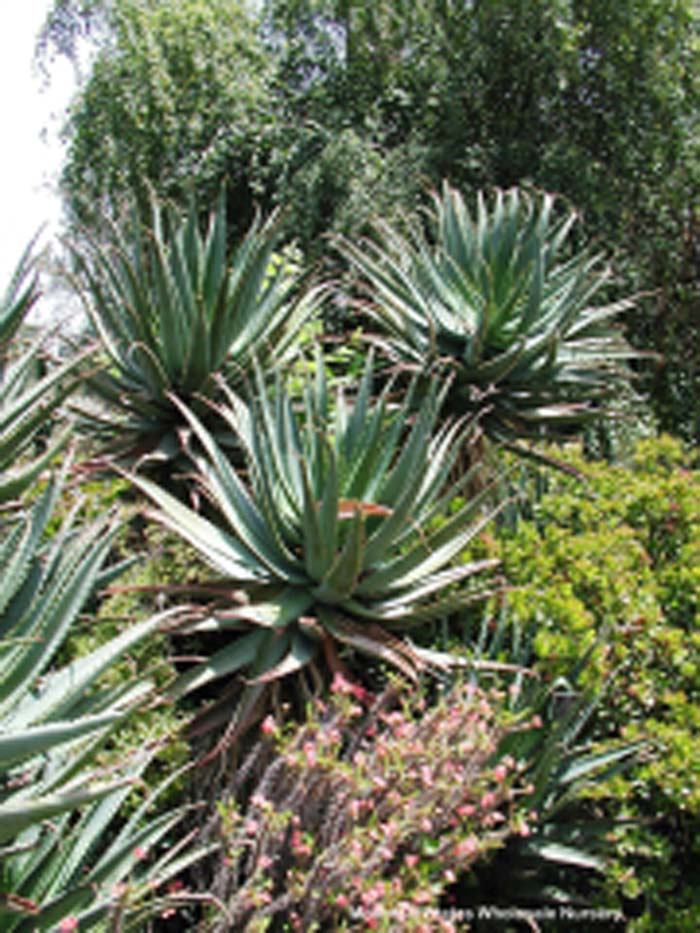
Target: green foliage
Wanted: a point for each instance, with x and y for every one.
(54, 797)
(61, 855)
(79, 870)
(175, 309)
(19, 297)
(610, 564)
(497, 299)
(174, 101)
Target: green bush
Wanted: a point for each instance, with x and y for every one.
(609, 562)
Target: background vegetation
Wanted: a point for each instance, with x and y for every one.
(277, 609)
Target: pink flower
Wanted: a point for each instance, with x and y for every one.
(500, 772)
(269, 726)
(251, 827)
(422, 897)
(342, 901)
(467, 847)
(403, 730)
(310, 755)
(299, 847)
(466, 810)
(140, 853)
(344, 686)
(426, 825)
(68, 924)
(354, 808)
(491, 819)
(488, 800)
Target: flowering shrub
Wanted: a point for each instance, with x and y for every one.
(369, 811)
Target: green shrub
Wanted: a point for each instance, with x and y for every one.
(612, 559)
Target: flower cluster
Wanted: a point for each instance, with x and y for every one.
(369, 811)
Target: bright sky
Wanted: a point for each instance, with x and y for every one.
(29, 161)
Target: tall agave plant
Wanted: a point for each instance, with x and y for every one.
(502, 300)
(339, 536)
(173, 307)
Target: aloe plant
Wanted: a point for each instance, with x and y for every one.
(84, 870)
(502, 300)
(56, 805)
(52, 720)
(173, 307)
(340, 535)
(60, 853)
(29, 402)
(560, 852)
(19, 297)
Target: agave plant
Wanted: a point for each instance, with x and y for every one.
(55, 804)
(82, 869)
(20, 296)
(172, 308)
(29, 400)
(504, 302)
(566, 848)
(339, 537)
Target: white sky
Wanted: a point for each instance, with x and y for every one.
(29, 163)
